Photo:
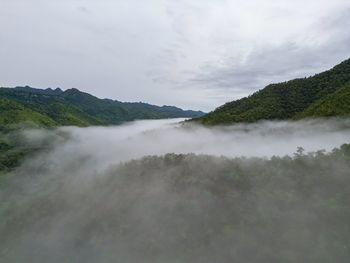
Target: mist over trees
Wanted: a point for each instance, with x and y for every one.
(182, 208)
(50, 108)
(110, 145)
(263, 178)
(71, 201)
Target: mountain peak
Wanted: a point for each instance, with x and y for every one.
(53, 91)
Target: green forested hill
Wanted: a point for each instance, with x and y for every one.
(315, 96)
(73, 107)
(30, 107)
(182, 208)
(14, 112)
(335, 104)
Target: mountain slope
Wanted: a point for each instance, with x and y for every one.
(335, 104)
(14, 112)
(152, 110)
(285, 100)
(73, 107)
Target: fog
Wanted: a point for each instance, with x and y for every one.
(101, 194)
(110, 145)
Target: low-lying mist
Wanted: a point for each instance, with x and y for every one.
(164, 191)
(110, 145)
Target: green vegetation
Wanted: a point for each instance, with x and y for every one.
(325, 94)
(335, 104)
(8, 157)
(183, 208)
(13, 112)
(47, 108)
(176, 207)
(13, 150)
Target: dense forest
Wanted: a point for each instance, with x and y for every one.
(325, 94)
(47, 108)
(181, 208)
(26, 107)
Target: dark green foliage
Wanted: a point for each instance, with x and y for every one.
(185, 208)
(315, 96)
(10, 156)
(12, 151)
(335, 104)
(15, 116)
(50, 107)
(12, 112)
(68, 115)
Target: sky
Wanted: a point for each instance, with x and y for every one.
(195, 54)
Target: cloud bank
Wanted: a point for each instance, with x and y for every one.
(88, 197)
(193, 54)
(111, 145)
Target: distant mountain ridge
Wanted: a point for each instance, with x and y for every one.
(47, 91)
(54, 107)
(322, 95)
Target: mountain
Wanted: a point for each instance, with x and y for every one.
(163, 111)
(53, 107)
(322, 95)
(335, 104)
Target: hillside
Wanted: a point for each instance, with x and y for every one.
(335, 104)
(72, 107)
(324, 94)
(14, 112)
(181, 208)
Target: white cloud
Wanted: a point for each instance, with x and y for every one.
(185, 53)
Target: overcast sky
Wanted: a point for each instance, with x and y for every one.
(196, 54)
